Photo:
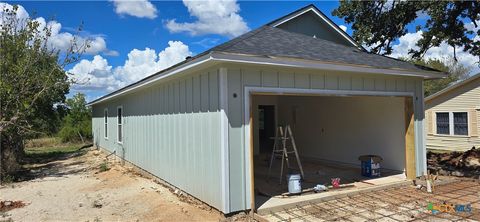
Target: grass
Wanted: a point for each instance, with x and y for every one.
(48, 149)
(104, 167)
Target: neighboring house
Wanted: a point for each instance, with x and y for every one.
(196, 124)
(453, 116)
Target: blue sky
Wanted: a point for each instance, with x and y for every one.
(133, 41)
(124, 33)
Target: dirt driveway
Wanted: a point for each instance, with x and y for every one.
(458, 201)
(73, 189)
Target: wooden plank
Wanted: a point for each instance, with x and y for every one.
(252, 177)
(409, 139)
(429, 122)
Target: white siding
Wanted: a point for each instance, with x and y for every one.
(240, 77)
(172, 130)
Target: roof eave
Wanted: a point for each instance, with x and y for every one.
(215, 56)
(154, 78)
(314, 64)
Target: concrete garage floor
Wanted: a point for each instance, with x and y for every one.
(405, 203)
(269, 191)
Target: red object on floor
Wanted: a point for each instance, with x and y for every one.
(336, 182)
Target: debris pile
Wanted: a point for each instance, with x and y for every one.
(463, 164)
(7, 205)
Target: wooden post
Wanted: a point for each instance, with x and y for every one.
(409, 139)
(252, 176)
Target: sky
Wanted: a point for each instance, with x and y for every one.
(130, 40)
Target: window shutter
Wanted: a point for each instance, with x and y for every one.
(429, 122)
(473, 123)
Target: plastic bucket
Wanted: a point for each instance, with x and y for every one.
(294, 185)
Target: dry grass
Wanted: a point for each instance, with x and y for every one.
(44, 142)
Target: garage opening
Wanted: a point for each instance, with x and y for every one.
(330, 134)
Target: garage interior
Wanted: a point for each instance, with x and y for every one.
(330, 133)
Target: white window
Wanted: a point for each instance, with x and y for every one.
(105, 123)
(452, 123)
(443, 123)
(119, 124)
(460, 123)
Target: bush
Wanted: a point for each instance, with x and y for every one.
(77, 125)
(71, 133)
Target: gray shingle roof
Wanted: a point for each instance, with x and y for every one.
(276, 42)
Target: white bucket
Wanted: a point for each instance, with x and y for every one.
(294, 185)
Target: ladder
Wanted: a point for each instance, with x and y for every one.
(280, 149)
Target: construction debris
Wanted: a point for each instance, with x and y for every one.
(462, 164)
(7, 205)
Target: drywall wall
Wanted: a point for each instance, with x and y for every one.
(343, 128)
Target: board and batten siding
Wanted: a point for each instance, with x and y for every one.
(240, 77)
(465, 98)
(171, 129)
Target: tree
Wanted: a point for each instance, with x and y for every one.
(78, 122)
(32, 80)
(377, 24)
(455, 72)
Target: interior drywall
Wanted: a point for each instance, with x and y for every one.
(343, 128)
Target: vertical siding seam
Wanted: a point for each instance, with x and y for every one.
(309, 80)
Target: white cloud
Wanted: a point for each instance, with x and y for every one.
(97, 75)
(137, 8)
(409, 40)
(58, 40)
(141, 63)
(214, 17)
(94, 75)
(111, 53)
(344, 28)
(21, 13)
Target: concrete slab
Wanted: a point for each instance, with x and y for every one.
(278, 203)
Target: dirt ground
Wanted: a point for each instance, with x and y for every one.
(455, 201)
(73, 189)
(463, 164)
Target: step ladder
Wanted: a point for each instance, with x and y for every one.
(280, 149)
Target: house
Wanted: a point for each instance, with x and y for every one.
(205, 125)
(453, 116)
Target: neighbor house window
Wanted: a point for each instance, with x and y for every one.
(452, 123)
(105, 123)
(443, 123)
(460, 123)
(119, 124)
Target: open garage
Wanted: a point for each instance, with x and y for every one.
(330, 133)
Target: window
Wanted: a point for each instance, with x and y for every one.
(105, 123)
(443, 123)
(460, 123)
(119, 125)
(452, 123)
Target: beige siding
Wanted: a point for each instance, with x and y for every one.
(466, 98)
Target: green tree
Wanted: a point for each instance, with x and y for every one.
(78, 122)
(32, 80)
(378, 24)
(455, 72)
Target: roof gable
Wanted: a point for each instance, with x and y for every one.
(453, 87)
(312, 22)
